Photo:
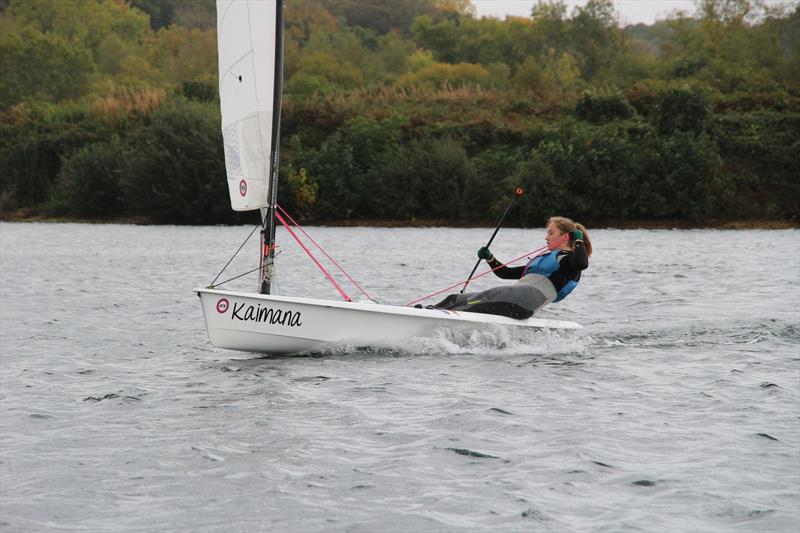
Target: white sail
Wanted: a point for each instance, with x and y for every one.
(247, 38)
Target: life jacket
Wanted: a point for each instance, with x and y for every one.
(546, 265)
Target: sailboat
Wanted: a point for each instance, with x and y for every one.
(250, 41)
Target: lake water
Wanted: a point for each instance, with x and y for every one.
(676, 408)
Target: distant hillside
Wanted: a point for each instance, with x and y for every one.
(409, 109)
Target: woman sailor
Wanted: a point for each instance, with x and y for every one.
(562, 266)
(545, 279)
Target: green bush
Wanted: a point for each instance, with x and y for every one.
(446, 176)
(495, 167)
(398, 186)
(33, 141)
(680, 110)
(602, 109)
(759, 152)
(89, 181)
(578, 171)
(40, 66)
(428, 178)
(347, 166)
(202, 91)
(304, 84)
(176, 173)
(691, 178)
(546, 190)
(620, 172)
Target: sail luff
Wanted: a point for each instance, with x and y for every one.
(248, 37)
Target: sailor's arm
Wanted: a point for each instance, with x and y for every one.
(579, 259)
(504, 271)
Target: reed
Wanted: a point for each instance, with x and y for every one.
(122, 102)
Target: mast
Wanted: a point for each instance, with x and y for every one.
(267, 248)
(250, 51)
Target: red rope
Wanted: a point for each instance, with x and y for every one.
(535, 253)
(306, 250)
(331, 259)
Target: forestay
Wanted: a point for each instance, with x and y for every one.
(248, 42)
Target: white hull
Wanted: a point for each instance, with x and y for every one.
(283, 324)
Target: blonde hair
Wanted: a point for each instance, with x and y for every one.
(565, 225)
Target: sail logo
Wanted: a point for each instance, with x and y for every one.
(266, 315)
(222, 306)
(243, 188)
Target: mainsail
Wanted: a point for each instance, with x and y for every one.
(249, 40)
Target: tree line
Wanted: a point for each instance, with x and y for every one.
(409, 110)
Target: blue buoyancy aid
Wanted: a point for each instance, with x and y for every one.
(546, 265)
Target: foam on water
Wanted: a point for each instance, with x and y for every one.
(495, 340)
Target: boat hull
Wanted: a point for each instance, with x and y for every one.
(285, 325)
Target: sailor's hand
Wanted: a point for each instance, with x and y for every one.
(484, 253)
(575, 235)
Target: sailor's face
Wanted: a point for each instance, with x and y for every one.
(553, 234)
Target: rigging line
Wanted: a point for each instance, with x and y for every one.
(307, 251)
(233, 256)
(534, 253)
(331, 259)
(517, 192)
(239, 276)
(235, 277)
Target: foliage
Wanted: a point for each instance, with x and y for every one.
(346, 167)
(89, 180)
(551, 77)
(439, 177)
(409, 109)
(34, 138)
(444, 75)
(160, 12)
(178, 172)
(680, 110)
(759, 151)
(179, 54)
(304, 192)
(200, 90)
(52, 69)
(602, 109)
(378, 15)
(56, 51)
(80, 23)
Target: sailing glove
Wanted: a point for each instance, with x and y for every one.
(575, 235)
(484, 253)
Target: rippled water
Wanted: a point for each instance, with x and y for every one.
(677, 408)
